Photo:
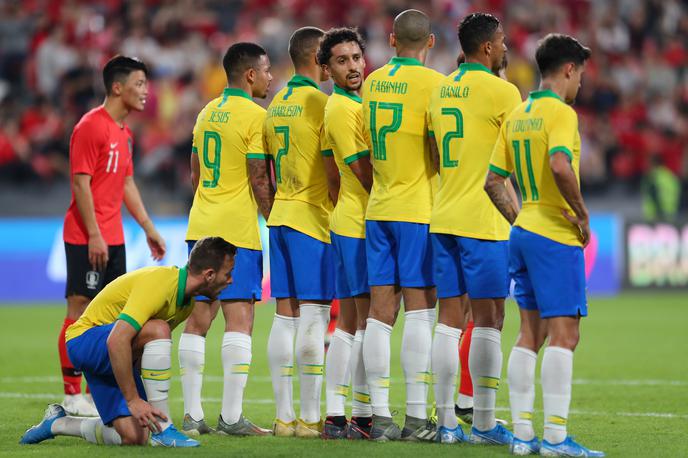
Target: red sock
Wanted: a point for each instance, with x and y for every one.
(70, 376)
(466, 386)
(334, 314)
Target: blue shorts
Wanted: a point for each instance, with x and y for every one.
(399, 253)
(351, 271)
(89, 354)
(247, 276)
(300, 265)
(549, 276)
(467, 265)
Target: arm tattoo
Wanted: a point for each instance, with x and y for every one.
(263, 190)
(499, 196)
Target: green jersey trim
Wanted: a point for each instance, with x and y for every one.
(544, 93)
(499, 171)
(256, 156)
(300, 80)
(475, 66)
(235, 92)
(134, 324)
(357, 156)
(194, 150)
(345, 93)
(561, 149)
(405, 61)
(181, 288)
(327, 152)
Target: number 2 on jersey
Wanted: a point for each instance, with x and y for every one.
(283, 130)
(213, 165)
(534, 193)
(447, 162)
(378, 136)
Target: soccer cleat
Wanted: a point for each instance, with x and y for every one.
(498, 435)
(359, 428)
(521, 447)
(568, 447)
(80, 405)
(450, 436)
(333, 431)
(243, 427)
(308, 430)
(195, 428)
(283, 429)
(418, 429)
(383, 429)
(42, 431)
(171, 437)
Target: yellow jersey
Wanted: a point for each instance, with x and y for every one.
(395, 102)
(136, 297)
(228, 131)
(295, 140)
(345, 132)
(537, 128)
(466, 112)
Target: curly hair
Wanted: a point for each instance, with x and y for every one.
(333, 37)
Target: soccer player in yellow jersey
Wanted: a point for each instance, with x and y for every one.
(341, 55)
(126, 331)
(229, 178)
(301, 256)
(398, 247)
(539, 141)
(469, 235)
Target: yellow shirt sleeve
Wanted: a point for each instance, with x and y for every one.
(256, 147)
(146, 299)
(500, 162)
(325, 145)
(347, 139)
(510, 99)
(561, 134)
(194, 135)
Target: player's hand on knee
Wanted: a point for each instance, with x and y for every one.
(146, 414)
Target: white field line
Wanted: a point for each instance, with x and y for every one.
(265, 379)
(57, 396)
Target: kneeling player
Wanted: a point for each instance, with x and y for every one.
(125, 330)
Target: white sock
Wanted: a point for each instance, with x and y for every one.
(236, 361)
(338, 372)
(557, 372)
(360, 402)
(485, 363)
(281, 360)
(91, 429)
(521, 377)
(445, 368)
(310, 356)
(416, 350)
(191, 364)
(155, 371)
(376, 350)
(464, 401)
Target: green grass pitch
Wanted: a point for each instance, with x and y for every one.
(630, 393)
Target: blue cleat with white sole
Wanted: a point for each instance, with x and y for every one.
(171, 437)
(521, 448)
(568, 447)
(42, 431)
(498, 435)
(450, 436)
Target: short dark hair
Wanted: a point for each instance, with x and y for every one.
(333, 37)
(118, 69)
(475, 29)
(303, 43)
(557, 49)
(239, 58)
(210, 253)
(411, 28)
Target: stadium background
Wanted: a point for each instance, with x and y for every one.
(633, 110)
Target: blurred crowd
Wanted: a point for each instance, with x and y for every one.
(633, 105)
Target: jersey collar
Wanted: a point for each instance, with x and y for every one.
(181, 288)
(405, 61)
(300, 80)
(467, 66)
(351, 95)
(236, 92)
(543, 93)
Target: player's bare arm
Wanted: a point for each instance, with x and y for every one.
(119, 345)
(332, 173)
(566, 181)
(195, 172)
(497, 190)
(97, 248)
(132, 199)
(263, 189)
(363, 170)
(434, 154)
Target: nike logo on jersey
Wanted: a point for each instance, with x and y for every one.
(112, 145)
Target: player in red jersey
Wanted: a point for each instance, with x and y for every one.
(101, 169)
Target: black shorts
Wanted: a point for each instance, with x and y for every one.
(82, 279)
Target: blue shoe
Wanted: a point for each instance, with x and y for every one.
(521, 447)
(450, 436)
(172, 438)
(498, 435)
(41, 431)
(568, 447)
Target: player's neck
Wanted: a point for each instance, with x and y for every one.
(193, 283)
(116, 109)
(244, 86)
(418, 54)
(558, 86)
(312, 72)
(483, 60)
